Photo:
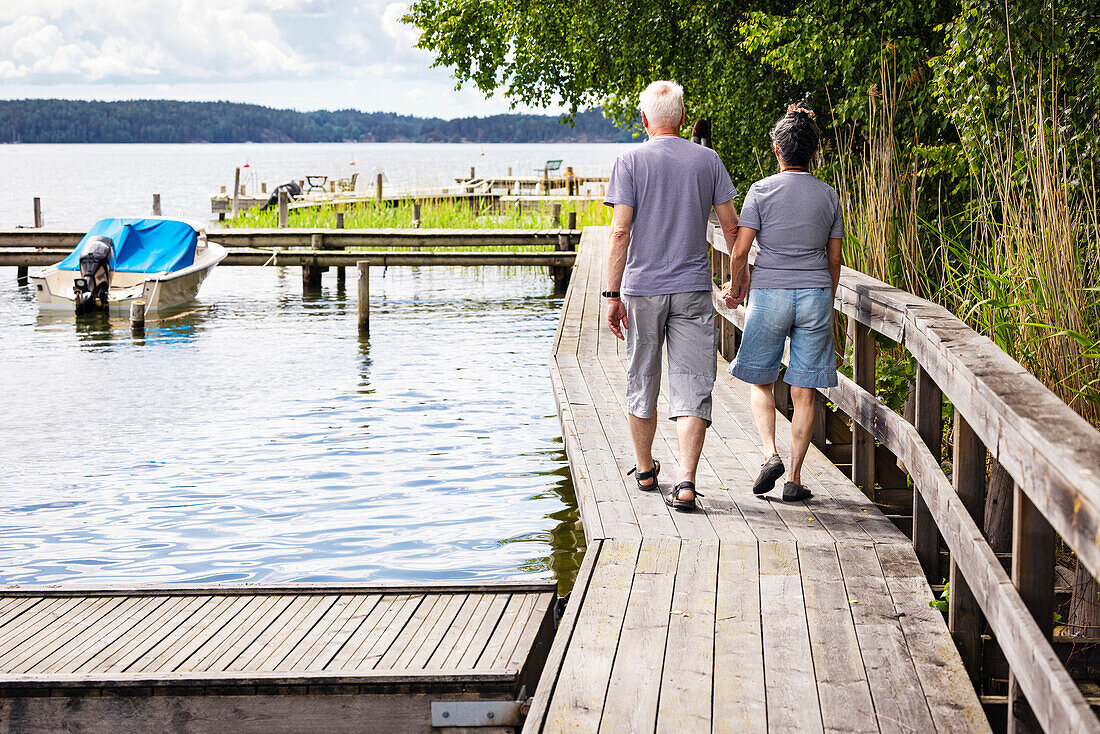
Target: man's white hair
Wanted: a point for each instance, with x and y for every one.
(663, 103)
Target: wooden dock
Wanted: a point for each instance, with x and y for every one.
(269, 659)
(750, 615)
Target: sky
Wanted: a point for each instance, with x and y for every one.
(299, 54)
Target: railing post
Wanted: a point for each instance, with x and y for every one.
(284, 205)
(818, 436)
(863, 443)
(1033, 576)
(964, 616)
(236, 191)
(929, 424)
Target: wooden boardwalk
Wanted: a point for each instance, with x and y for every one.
(267, 659)
(750, 615)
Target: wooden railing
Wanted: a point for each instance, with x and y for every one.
(1051, 453)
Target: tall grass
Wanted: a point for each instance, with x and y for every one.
(453, 214)
(1019, 261)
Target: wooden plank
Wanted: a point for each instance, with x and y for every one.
(318, 648)
(295, 628)
(1033, 575)
(373, 646)
(178, 644)
(38, 617)
(687, 682)
(514, 652)
(223, 648)
(447, 620)
(897, 693)
(563, 637)
(635, 684)
(118, 654)
(467, 616)
(944, 682)
(842, 686)
(415, 631)
(93, 637)
(788, 661)
(929, 424)
(863, 443)
(964, 616)
(503, 641)
(580, 693)
(56, 631)
(482, 633)
(739, 693)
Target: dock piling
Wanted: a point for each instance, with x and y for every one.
(263, 187)
(555, 214)
(340, 276)
(236, 191)
(137, 318)
(37, 212)
(156, 205)
(416, 214)
(364, 297)
(378, 188)
(282, 208)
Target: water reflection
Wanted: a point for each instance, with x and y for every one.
(256, 437)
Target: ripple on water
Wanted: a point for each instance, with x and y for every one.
(258, 439)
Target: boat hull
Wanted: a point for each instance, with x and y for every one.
(54, 288)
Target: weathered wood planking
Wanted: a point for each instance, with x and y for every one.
(100, 637)
(737, 617)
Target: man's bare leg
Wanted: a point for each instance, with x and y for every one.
(802, 428)
(690, 434)
(642, 431)
(763, 410)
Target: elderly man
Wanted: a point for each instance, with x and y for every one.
(659, 281)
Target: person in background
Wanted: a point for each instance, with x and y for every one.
(659, 281)
(798, 227)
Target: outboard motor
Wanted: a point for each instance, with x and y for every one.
(292, 189)
(95, 275)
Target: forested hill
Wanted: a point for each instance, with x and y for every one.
(159, 121)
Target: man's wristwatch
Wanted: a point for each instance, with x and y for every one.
(610, 294)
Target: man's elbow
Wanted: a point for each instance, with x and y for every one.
(620, 235)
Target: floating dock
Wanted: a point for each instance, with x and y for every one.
(270, 659)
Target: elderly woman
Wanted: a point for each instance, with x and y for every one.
(797, 224)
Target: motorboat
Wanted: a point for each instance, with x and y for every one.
(159, 261)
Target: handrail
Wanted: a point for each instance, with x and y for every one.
(1051, 453)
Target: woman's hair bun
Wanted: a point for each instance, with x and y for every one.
(801, 110)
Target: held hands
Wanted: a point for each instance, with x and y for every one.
(732, 296)
(616, 317)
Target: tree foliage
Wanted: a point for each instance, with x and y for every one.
(743, 61)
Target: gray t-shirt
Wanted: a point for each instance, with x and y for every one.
(672, 184)
(794, 215)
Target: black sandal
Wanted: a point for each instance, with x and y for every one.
(672, 499)
(651, 474)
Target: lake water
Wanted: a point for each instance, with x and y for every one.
(255, 437)
(79, 184)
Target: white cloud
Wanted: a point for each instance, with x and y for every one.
(306, 54)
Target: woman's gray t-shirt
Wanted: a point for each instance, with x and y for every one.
(794, 215)
(672, 184)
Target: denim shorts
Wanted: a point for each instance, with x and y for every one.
(683, 323)
(772, 314)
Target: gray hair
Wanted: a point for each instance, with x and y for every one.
(663, 103)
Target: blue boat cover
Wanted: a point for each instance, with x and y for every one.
(142, 245)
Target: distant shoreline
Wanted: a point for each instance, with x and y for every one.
(37, 121)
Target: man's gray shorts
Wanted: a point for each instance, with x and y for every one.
(685, 323)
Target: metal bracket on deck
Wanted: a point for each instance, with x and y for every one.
(481, 713)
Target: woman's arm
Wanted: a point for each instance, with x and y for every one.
(739, 267)
(835, 253)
